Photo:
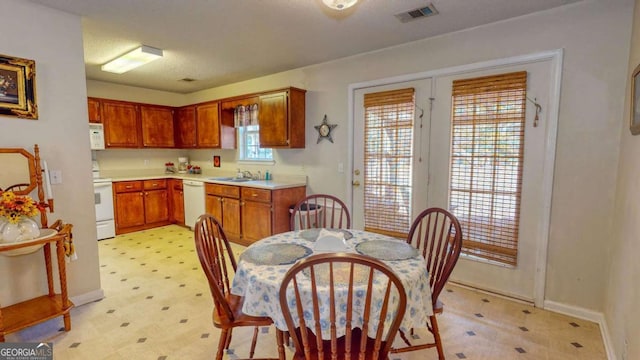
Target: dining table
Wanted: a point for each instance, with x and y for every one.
(263, 265)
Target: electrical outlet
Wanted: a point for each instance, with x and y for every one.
(56, 176)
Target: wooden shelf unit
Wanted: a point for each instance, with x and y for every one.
(40, 309)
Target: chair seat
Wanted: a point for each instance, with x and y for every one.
(356, 337)
(220, 320)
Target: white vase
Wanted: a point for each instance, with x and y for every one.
(25, 229)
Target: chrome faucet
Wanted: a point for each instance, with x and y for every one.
(247, 174)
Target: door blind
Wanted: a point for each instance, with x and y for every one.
(388, 158)
(486, 163)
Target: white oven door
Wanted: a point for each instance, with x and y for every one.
(104, 201)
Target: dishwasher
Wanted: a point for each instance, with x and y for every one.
(194, 200)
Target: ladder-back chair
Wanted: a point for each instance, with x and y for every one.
(320, 211)
(359, 319)
(219, 265)
(436, 233)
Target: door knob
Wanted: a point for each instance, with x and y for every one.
(355, 183)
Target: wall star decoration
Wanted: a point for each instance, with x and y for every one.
(324, 130)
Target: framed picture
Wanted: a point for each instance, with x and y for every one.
(635, 101)
(18, 87)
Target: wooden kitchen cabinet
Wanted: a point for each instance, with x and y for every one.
(94, 110)
(223, 202)
(207, 125)
(176, 199)
(250, 214)
(156, 201)
(157, 126)
(128, 204)
(140, 205)
(185, 126)
(282, 118)
(121, 125)
(256, 214)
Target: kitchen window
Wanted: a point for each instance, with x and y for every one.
(246, 120)
(249, 145)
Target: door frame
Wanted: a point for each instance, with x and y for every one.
(556, 59)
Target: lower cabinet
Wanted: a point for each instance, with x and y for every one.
(250, 214)
(140, 205)
(176, 199)
(223, 202)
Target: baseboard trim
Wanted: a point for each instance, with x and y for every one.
(589, 315)
(87, 297)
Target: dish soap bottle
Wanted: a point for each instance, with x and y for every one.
(267, 175)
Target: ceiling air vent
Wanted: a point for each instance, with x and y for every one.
(418, 13)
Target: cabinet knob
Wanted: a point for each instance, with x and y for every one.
(128, 187)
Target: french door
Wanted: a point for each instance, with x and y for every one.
(431, 171)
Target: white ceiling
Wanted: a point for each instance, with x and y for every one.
(217, 42)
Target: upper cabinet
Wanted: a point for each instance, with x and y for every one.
(282, 118)
(281, 115)
(94, 110)
(185, 127)
(208, 125)
(120, 121)
(157, 126)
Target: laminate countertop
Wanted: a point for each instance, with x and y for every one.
(281, 182)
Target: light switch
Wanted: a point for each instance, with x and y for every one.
(340, 167)
(56, 176)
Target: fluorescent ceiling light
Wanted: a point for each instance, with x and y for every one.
(339, 4)
(131, 60)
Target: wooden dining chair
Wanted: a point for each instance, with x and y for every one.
(219, 265)
(369, 322)
(436, 233)
(320, 211)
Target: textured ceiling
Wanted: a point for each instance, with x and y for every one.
(217, 42)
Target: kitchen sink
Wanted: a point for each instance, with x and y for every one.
(232, 179)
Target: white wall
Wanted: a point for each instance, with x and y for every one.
(623, 291)
(54, 40)
(595, 36)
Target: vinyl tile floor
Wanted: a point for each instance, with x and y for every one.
(157, 306)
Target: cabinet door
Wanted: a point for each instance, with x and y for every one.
(156, 206)
(176, 198)
(157, 126)
(186, 127)
(129, 209)
(94, 110)
(213, 206)
(231, 218)
(208, 126)
(273, 120)
(120, 124)
(256, 221)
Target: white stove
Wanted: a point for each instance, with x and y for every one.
(103, 196)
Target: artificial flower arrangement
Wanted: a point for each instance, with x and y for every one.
(13, 207)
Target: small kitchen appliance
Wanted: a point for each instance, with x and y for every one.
(183, 163)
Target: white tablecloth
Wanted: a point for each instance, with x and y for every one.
(260, 284)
